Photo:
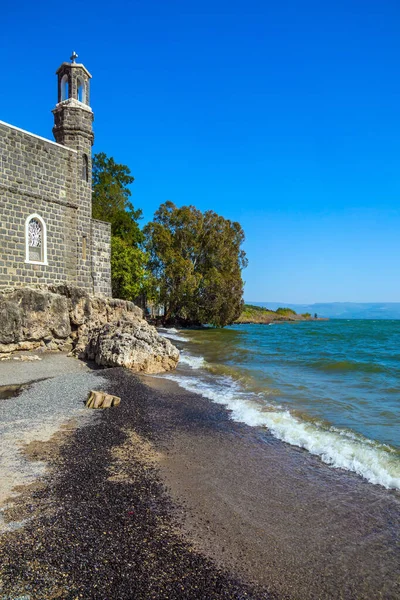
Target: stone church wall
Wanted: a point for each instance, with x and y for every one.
(101, 257)
(36, 176)
(47, 234)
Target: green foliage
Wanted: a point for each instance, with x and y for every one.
(253, 307)
(127, 268)
(110, 202)
(250, 311)
(261, 315)
(285, 311)
(110, 199)
(256, 314)
(195, 260)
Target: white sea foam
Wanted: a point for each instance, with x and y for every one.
(172, 334)
(196, 362)
(337, 448)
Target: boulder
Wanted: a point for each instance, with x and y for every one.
(135, 345)
(87, 312)
(32, 315)
(111, 332)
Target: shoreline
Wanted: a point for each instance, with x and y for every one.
(215, 504)
(100, 524)
(279, 321)
(306, 399)
(276, 514)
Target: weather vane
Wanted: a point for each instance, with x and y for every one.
(73, 57)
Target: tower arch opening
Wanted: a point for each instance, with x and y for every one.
(81, 90)
(64, 87)
(85, 168)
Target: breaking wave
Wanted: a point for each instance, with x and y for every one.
(340, 448)
(172, 334)
(195, 362)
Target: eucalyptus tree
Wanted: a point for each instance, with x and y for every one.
(195, 261)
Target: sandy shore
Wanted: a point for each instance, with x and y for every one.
(166, 497)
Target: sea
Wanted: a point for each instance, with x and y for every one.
(329, 387)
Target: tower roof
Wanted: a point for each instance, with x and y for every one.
(73, 65)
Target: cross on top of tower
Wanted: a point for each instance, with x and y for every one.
(73, 57)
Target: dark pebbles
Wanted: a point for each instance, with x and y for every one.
(102, 538)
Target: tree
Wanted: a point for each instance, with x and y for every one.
(110, 202)
(110, 199)
(195, 261)
(127, 269)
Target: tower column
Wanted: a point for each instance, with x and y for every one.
(73, 119)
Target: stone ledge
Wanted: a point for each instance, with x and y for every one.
(109, 331)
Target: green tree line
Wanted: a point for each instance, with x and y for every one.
(188, 261)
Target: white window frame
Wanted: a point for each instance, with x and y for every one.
(44, 240)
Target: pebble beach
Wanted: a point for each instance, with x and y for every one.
(166, 497)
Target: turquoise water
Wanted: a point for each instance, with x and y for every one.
(331, 387)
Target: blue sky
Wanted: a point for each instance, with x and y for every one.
(284, 116)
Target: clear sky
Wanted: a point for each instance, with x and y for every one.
(282, 115)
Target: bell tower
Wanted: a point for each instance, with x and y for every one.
(73, 116)
(73, 119)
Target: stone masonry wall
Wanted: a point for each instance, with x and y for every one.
(37, 176)
(101, 257)
(73, 128)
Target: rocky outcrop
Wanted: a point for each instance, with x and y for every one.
(32, 318)
(135, 345)
(111, 332)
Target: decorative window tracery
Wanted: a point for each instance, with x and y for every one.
(35, 240)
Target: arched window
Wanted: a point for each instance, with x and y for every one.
(35, 240)
(81, 90)
(64, 88)
(85, 168)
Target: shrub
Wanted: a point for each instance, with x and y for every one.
(285, 311)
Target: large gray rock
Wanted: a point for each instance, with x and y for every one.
(87, 312)
(28, 315)
(111, 332)
(135, 345)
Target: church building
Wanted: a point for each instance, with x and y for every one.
(47, 234)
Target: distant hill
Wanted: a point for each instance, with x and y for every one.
(252, 313)
(342, 310)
